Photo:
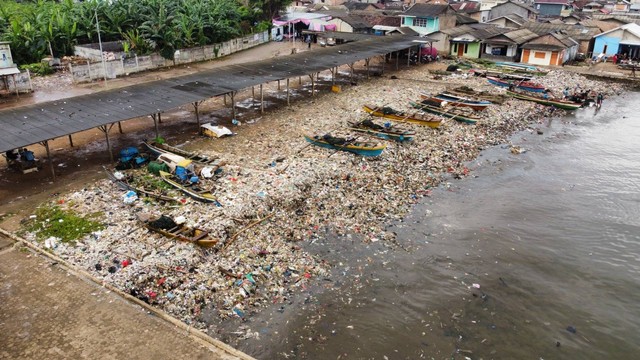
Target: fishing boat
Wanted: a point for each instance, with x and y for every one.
(456, 100)
(452, 113)
(501, 74)
(123, 183)
(561, 104)
(193, 190)
(516, 66)
(364, 148)
(522, 85)
(395, 115)
(170, 228)
(159, 149)
(386, 131)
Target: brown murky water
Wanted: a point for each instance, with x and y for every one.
(537, 257)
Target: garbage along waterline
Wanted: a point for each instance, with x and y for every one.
(536, 257)
(308, 193)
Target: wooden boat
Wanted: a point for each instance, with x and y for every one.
(364, 148)
(561, 104)
(501, 75)
(516, 66)
(192, 190)
(387, 131)
(125, 185)
(456, 100)
(452, 113)
(158, 149)
(521, 85)
(168, 227)
(395, 115)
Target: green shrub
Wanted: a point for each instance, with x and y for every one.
(63, 224)
(38, 69)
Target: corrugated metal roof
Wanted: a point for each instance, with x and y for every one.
(426, 10)
(577, 32)
(32, 124)
(519, 36)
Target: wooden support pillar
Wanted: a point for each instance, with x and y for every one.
(253, 93)
(195, 106)
(299, 80)
(120, 127)
(409, 57)
(351, 75)
(15, 85)
(155, 124)
(278, 85)
(366, 63)
(333, 78)
(288, 103)
(105, 129)
(261, 100)
(51, 167)
(384, 60)
(70, 141)
(224, 99)
(233, 104)
(159, 118)
(313, 85)
(397, 60)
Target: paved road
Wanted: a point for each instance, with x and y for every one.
(48, 313)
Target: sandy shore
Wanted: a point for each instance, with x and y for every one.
(302, 192)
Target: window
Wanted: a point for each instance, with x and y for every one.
(539, 55)
(604, 49)
(455, 47)
(466, 48)
(422, 22)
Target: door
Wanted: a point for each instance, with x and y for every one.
(525, 56)
(460, 50)
(554, 58)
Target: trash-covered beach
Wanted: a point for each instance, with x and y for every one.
(277, 191)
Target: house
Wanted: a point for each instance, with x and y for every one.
(554, 48)
(350, 23)
(472, 9)
(552, 7)
(443, 38)
(508, 21)
(361, 6)
(506, 46)
(512, 7)
(621, 6)
(428, 18)
(583, 35)
(469, 44)
(592, 7)
(621, 40)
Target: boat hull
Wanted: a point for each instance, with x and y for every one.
(443, 112)
(359, 150)
(549, 102)
(506, 84)
(191, 192)
(456, 101)
(159, 149)
(430, 122)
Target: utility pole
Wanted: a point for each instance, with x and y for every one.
(104, 65)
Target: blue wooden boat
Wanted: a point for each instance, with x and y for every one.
(364, 148)
(452, 113)
(455, 100)
(522, 85)
(516, 66)
(387, 131)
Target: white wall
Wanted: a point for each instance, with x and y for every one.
(534, 61)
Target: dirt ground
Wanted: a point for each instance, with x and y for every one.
(81, 164)
(46, 313)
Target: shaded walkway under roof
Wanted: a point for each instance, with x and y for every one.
(42, 122)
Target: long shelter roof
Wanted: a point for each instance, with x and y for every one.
(36, 123)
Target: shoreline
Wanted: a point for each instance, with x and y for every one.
(320, 191)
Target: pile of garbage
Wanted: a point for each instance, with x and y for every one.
(278, 191)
